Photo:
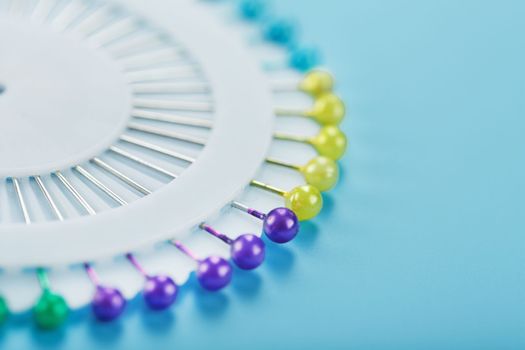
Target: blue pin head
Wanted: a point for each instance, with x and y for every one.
(304, 58)
(280, 31)
(252, 10)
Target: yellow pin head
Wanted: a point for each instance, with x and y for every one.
(305, 201)
(317, 82)
(328, 109)
(321, 172)
(330, 142)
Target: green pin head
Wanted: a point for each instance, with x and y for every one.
(4, 310)
(50, 311)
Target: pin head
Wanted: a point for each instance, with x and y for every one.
(248, 251)
(279, 31)
(108, 303)
(321, 172)
(160, 292)
(328, 109)
(330, 142)
(50, 311)
(4, 310)
(317, 82)
(252, 9)
(304, 58)
(305, 201)
(214, 273)
(281, 225)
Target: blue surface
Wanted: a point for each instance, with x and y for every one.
(421, 246)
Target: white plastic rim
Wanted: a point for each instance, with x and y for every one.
(242, 133)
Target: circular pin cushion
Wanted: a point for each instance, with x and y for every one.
(72, 92)
(131, 124)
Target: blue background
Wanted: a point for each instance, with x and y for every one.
(421, 245)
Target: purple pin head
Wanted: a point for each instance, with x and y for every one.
(159, 292)
(248, 251)
(281, 225)
(214, 273)
(108, 303)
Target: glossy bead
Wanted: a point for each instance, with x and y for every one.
(214, 273)
(304, 59)
(4, 310)
(321, 172)
(281, 225)
(317, 82)
(328, 109)
(248, 251)
(305, 201)
(159, 292)
(279, 31)
(50, 311)
(108, 303)
(330, 142)
(252, 9)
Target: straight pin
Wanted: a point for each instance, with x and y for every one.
(167, 49)
(51, 309)
(159, 149)
(134, 45)
(305, 201)
(192, 106)
(80, 199)
(118, 174)
(115, 30)
(213, 272)
(320, 172)
(160, 291)
(150, 58)
(42, 10)
(330, 141)
(108, 303)
(141, 161)
(162, 74)
(69, 13)
(280, 225)
(90, 177)
(170, 134)
(315, 83)
(93, 21)
(21, 201)
(328, 109)
(171, 88)
(48, 197)
(247, 250)
(173, 119)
